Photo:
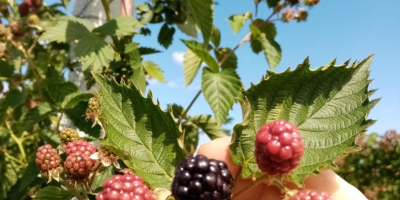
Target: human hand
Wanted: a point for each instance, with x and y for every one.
(327, 181)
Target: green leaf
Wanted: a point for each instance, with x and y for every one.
(148, 135)
(4, 136)
(131, 47)
(203, 53)
(49, 136)
(231, 62)
(209, 125)
(220, 90)
(166, 35)
(14, 98)
(215, 37)
(28, 180)
(97, 185)
(272, 3)
(146, 13)
(191, 65)
(77, 116)
(33, 116)
(57, 90)
(65, 3)
(8, 175)
(3, 110)
(120, 26)
(147, 50)
(74, 99)
(154, 71)
(202, 14)
(263, 39)
(53, 193)
(65, 30)
(329, 106)
(139, 78)
(237, 21)
(188, 27)
(94, 52)
(6, 70)
(177, 110)
(191, 137)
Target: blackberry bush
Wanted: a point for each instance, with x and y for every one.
(203, 179)
(278, 147)
(125, 187)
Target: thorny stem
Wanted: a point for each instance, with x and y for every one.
(191, 103)
(71, 189)
(18, 141)
(249, 186)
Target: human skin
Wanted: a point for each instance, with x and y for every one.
(327, 181)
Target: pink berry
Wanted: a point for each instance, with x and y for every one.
(310, 195)
(81, 146)
(47, 158)
(125, 187)
(78, 165)
(278, 148)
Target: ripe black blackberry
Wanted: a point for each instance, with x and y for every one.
(200, 178)
(69, 135)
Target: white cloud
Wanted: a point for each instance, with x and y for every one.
(177, 57)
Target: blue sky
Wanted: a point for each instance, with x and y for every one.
(339, 29)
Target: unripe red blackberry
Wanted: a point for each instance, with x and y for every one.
(23, 9)
(78, 165)
(199, 178)
(310, 195)
(47, 158)
(80, 146)
(125, 187)
(288, 15)
(16, 29)
(69, 135)
(278, 148)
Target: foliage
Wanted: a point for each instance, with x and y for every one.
(329, 104)
(376, 168)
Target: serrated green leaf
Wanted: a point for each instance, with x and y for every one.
(131, 47)
(140, 128)
(203, 16)
(77, 116)
(14, 98)
(328, 104)
(177, 110)
(120, 26)
(6, 70)
(73, 99)
(154, 71)
(139, 78)
(49, 136)
(4, 136)
(203, 53)
(191, 138)
(8, 175)
(231, 62)
(57, 90)
(191, 65)
(53, 193)
(99, 179)
(215, 37)
(28, 180)
(237, 21)
(263, 39)
(272, 3)
(147, 50)
(146, 13)
(188, 27)
(166, 35)
(220, 90)
(94, 52)
(33, 116)
(3, 110)
(65, 31)
(209, 125)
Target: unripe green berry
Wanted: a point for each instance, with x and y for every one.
(69, 135)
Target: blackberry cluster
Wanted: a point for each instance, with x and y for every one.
(125, 187)
(78, 165)
(288, 15)
(80, 146)
(200, 178)
(69, 135)
(278, 147)
(310, 195)
(93, 109)
(47, 158)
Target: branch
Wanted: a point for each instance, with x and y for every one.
(18, 141)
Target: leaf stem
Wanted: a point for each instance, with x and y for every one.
(191, 103)
(107, 10)
(249, 186)
(18, 141)
(71, 189)
(58, 123)
(14, 158)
